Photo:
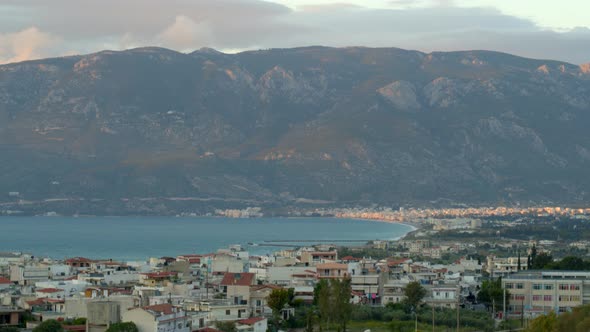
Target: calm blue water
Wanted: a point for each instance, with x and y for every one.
(138, 238)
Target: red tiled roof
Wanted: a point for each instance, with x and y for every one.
(165, 308)
(74, 327)
(55, 300)
(251, 321)
(237, 279)
(260, 287)
(78, 259)
(393, 262)
(36, 302)
(4, 281)
(49, 290)
(208, 329)
(190, 255)
(350, 258)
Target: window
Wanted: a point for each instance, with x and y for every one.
(536, 297)
(564, 287)
(547, 298)
(537, 286)
(548, 286)
(519, 285)
(509, 285)
(575, 298)
(574, 287)
(228, 312)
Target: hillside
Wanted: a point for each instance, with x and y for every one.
(153, 131)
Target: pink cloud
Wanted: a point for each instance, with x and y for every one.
(27, 44)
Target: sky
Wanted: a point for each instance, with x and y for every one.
(546, 29)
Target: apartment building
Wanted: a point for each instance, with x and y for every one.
(539, 292)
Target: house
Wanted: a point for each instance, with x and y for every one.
(29, 274)
(443, 297)
(158, 318)
(10, 315)
(312, 258)
(218, 310)
(258, 298)
(331, 271)
(4, 283)
(254, 324)
(79, 263)
(154, 279)
(236, 286)
(52, 293)
(101, 314)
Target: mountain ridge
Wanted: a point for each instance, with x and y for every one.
(279, 127)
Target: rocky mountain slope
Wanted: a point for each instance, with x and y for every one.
(151, 130)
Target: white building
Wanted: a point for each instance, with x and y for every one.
(158, 318)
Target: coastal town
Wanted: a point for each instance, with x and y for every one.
(210, 291)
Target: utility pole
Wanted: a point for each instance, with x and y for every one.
(504, 305)
(458, 307)
(432, 317)
(522, 312)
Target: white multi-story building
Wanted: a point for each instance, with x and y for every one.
(29, 274)
(443, 297)
(158, 318)
(538, 292)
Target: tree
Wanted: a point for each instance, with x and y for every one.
(542, 260)
(50, 325)
(76, 321)
(533, 255)
(545, 323)
(342, 307)
(226, 326)
(414, 293)
(322, 300)
(571, 263)
(277, 299)
(491, 292)
(333, 301)
(309, 320)
(9, 329)
(528, 262)
(122, 327)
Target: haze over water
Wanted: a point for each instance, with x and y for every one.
(138, 238)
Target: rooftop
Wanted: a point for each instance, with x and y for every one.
(251, 321)
(238, 279)
(553, 274)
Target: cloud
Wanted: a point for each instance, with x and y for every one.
(184, 34)
(184, 25)
(24, 45)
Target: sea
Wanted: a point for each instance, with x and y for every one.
(139, 238)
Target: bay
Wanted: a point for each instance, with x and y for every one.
(138, 238)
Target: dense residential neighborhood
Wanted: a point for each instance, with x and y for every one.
(207, 291)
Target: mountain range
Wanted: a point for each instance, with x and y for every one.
(154, 131)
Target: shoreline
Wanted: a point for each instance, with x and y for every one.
(414, 226)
